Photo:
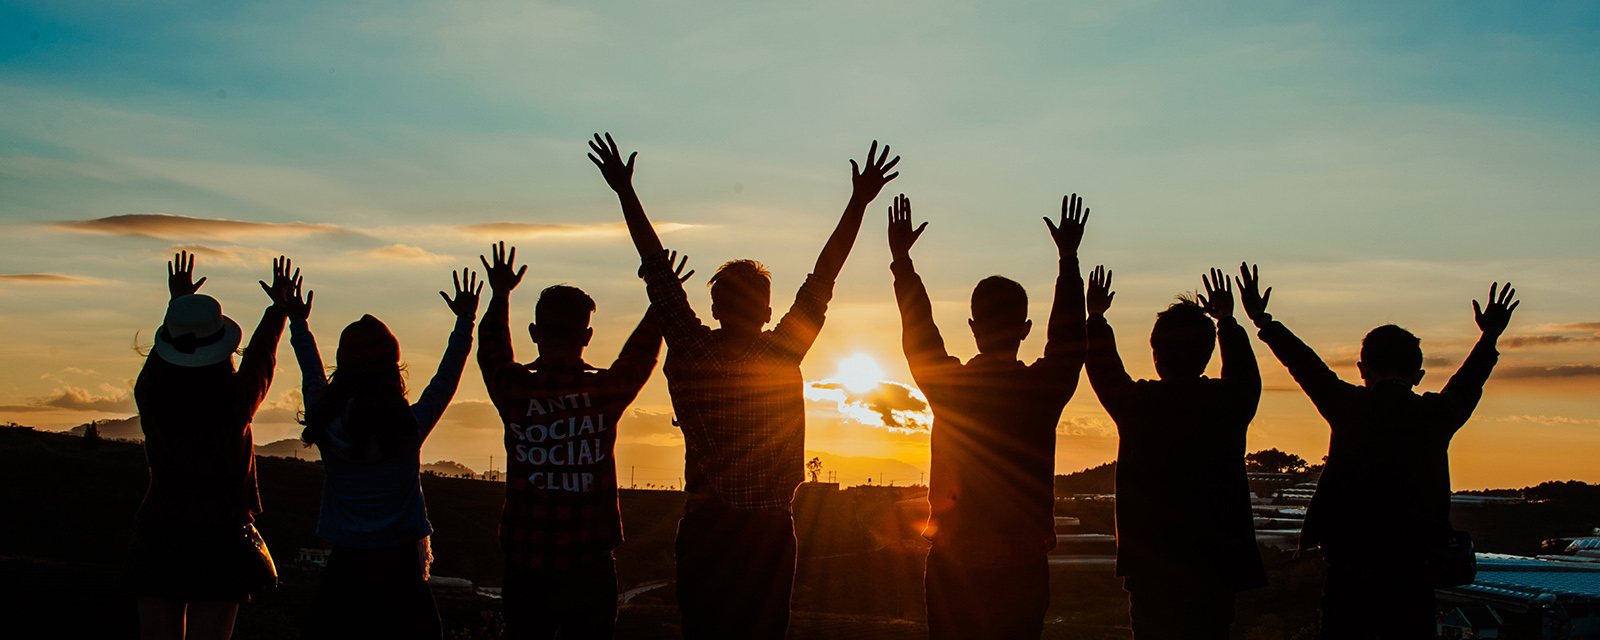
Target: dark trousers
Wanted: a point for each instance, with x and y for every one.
(1163, 608)
(579, 603)
(1371, 600)
(735, 572)
(985, 602)
(373, 593)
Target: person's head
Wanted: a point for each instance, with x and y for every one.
(999, 315)
(1390, 353)
(741, 296)
(367, 389)
(194, 333)
(1182, 340)
(561, 321)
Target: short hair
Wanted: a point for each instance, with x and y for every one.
(740, 280)
(1183, 338)
(563, 307)
(1391, 350)
(999, 301)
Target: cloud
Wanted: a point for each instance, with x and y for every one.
(45, 278)
(408, 253)
(1428, 362)
(1548, 421)
(538, 231)
(77, 399)
(889, 405)
(1085, 426)
(231, 254)
(166, 226)
(1561, 371)
(639, 422)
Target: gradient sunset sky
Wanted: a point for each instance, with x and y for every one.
(1382, 163)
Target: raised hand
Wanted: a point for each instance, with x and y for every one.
(1218, 299)
(901, 235)
(1069, 234)
(180, 275)
(678, 271)
(501, 276)
(868, 182)
(1098, 298)
(617, 173)
(1496, 314)
(465, 304)
(283, 284)
(296, 308)
(1251, 296)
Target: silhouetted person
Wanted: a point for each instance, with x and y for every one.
(737, 392)
(1383, 502)
(370, 438)
(1185, 535)
(560, 521)
(188, 566)
(991, 491)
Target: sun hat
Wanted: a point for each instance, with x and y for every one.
(195, 333)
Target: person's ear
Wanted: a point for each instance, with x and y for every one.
(587, 334)
(1022, 334)
(533, 332)
(973, 325)
(1362, 367)
(1418, 379)
(716, 313)
(766, 317)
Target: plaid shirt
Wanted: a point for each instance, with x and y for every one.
(740, 403)
(991, 493)
(560, 433)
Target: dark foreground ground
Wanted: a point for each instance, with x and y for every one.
(66, 516)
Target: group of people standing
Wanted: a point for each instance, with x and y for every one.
(1184, 528)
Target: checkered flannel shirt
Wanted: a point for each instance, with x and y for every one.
(740, 403)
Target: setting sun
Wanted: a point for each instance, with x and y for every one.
(859, 373)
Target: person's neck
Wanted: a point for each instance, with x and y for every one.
(561, 357)
(1003, 355)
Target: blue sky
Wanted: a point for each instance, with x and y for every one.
(1383, 163)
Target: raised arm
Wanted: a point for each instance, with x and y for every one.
(619, 175)
(494, 335)
(865, 185)
(313, 376)
(1066, 337)
(1313, 375)
(1465, 388)
(436, 396)
(261, 355)
(1239, 366)
(919, 336)
(1107, 375)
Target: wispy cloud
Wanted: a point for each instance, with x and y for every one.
(539, 231)
(166, 226)
(1085, 426)
(229, 254)
(1560, 371)
(1548, 421)
(78, 399)
(408, 253)
(45, 278)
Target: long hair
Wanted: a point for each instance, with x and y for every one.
(368, 392)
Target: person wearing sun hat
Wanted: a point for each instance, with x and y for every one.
(188, 567)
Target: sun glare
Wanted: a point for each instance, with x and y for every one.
(859, 373)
